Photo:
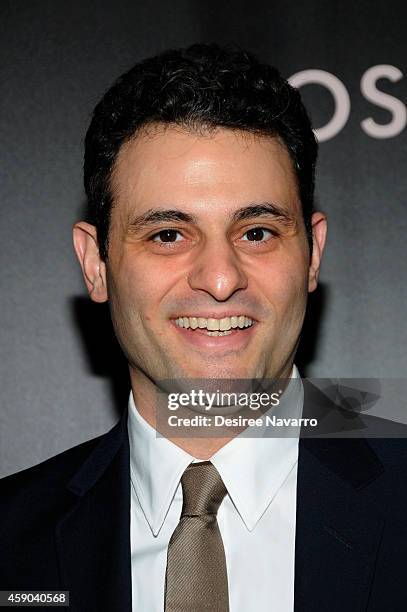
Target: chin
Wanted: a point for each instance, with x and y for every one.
(219, 371)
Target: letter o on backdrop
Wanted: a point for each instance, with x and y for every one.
(339, 93)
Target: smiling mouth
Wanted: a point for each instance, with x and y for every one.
(215, 327)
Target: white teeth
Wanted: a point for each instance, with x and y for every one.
(219, 333)
(225, 324)
(212, 324)
(215, 327)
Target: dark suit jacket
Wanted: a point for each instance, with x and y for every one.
(65, 525)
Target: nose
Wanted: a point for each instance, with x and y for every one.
(217, 271)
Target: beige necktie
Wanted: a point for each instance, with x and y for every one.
(196, 578)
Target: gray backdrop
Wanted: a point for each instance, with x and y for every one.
(62, 377)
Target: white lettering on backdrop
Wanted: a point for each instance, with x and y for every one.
(369, 90)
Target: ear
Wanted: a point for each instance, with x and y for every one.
(319, 230)
(93, 267)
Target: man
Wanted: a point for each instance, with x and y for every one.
(199, 172)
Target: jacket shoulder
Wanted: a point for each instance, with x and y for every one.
(46, 477)
(33, 501)
(392, 452)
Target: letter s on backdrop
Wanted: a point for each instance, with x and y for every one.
(384, 100)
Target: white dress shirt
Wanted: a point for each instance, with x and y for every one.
(256, 519)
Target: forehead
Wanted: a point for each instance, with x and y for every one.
(168, 165)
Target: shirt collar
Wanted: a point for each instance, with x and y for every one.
(252, 468)
(156, 467)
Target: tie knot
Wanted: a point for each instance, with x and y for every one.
(202, 488)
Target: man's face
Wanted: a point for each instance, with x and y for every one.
(206, 233)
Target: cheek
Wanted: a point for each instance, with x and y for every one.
(138, 288)
(284, 285)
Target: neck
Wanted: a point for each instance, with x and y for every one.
(145, 398)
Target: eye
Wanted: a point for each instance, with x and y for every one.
(257, 234)
(167, 235)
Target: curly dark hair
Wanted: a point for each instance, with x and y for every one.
(200, 87)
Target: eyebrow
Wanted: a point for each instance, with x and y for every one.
(260, 210)
(153, 216)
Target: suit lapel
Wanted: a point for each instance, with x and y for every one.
(93, 536)
(337, 531)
